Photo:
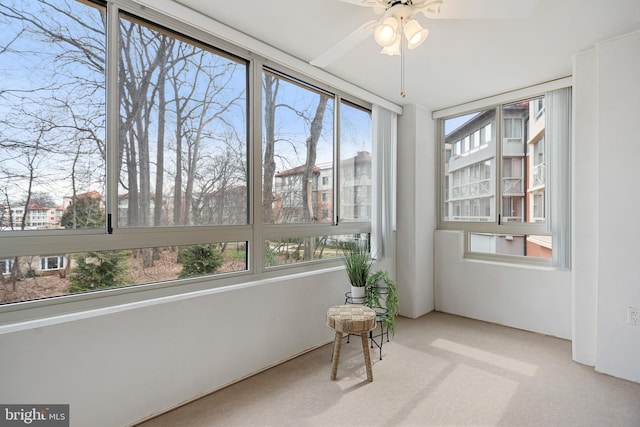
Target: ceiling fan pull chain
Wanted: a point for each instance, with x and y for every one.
(402, 50)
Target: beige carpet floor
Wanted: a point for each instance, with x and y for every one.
(438, 370)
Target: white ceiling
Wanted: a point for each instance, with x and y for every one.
(462, 60)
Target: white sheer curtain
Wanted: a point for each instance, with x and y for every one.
(558, 135)
(383, 203)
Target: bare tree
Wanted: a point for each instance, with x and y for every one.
(300, 207)
(310, 163)
(59, 111)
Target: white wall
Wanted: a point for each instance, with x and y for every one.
(118, 366)
(416, 212)
(612, 69)
(525, 297)
(585, 201)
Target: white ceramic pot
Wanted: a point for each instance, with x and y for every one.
(357, 294)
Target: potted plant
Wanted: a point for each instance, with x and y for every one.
(382, 294)
(357, 262)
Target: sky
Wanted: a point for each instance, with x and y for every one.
(54, 167)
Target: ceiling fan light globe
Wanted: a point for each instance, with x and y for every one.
(415, 34)
(392, 50)
(385, 34)
(418, 39)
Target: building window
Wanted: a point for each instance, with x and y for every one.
(513, 128)
(507, 178)
(486, 132)
(538, 172)
(179, 165)
(538, 206)
(52, 263)
(538, 107)
(5, 266)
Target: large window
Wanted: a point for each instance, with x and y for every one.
(155, 167)
(298, 147)
(494, 179)
(355, 164)
(469, 169)
(183, 131)
(52, 116)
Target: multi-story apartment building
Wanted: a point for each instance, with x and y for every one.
(539, 246)
(289, 188)
(471, 161)
(355, 191)
(37, 217)
(355, 188)
(469, 188)
(472, 167)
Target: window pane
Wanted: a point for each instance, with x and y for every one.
(301, 249)
(183, 131)
(297, 151)
(355, 164)
(523, 163)
(509, 244)
(33, 277)
(468, 192)
(52, 116)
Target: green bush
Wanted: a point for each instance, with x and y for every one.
(99, 270)
(88, 214)
(270, 256)
(199, 260)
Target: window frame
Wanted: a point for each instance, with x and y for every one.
(43, 242)
(492, 227)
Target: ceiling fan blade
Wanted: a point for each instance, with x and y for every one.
(484, 9)
(344, 45)
(430, 9)
(365, 3)
(379, 6)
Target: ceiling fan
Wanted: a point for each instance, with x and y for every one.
(396, 18)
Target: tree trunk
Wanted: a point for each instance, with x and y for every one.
(271, 85)
(158, 199)
(307, 176)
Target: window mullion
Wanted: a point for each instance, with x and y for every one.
(499, 179)
(336, 160)
(256, 259)
(112, 115)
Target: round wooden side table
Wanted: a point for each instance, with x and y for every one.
(351, 319)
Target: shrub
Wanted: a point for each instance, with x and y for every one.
(199, 260)
(99, 270)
